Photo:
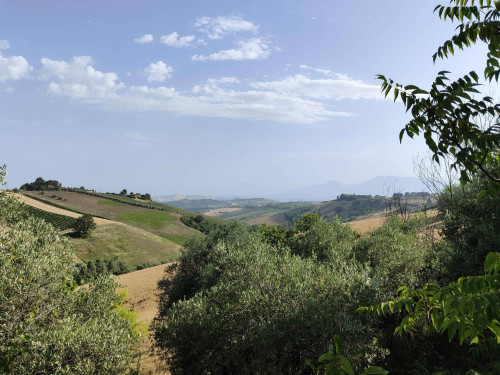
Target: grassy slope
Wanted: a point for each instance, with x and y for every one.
(131, 245)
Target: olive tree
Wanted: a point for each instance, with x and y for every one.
(47, 325)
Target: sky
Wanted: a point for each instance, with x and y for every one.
(223, 98)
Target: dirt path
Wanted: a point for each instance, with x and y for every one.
(143, 299)
(56, 210)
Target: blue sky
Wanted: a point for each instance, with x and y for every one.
(212, 97)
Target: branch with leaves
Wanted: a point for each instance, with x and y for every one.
(448, 115)
(468, 309)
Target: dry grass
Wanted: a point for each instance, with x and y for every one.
(220, 211)
(131, 245)
(143, 299)
(367, 225)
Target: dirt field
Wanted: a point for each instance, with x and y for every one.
(220, 211)
(367, 225)
(142, 298)
(47, 207)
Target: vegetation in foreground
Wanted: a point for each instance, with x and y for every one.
(269, 301)
(47, 325)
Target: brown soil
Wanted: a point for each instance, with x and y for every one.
(142, 298)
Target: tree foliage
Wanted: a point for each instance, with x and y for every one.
(47, 325)
(448, 114)
(41, 184)
(468, 309)
(471, 227)
(84, 225)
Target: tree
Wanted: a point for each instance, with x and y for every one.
(84, 225)
(123, 192)
(448, 115)
(146, 196)
(467, 309)
(47, 325)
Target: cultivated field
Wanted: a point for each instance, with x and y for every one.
(165, 224)
(56, 210)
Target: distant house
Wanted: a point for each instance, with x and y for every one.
(137, 195)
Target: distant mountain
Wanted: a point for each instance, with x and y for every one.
(381, 185)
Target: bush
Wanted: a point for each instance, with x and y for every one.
(398, 253)
(85, 272)
(84, 225)
(471, 226)
(236, 305)
(48, 326)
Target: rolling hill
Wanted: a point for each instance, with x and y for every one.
(137, 233)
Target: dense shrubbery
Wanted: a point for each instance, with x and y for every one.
(199, 222)
(47, 325)
(264, 300)
(255, 310)
(41, 184)
(91, 270)
(471, 226)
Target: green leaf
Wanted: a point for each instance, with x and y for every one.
(338, 343)
(326, 356)
(346, 365)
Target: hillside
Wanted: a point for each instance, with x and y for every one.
(153, 217)
(347, 207)
(204, 205)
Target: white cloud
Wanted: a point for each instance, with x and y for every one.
(4, 44)
(326, 72)
(146, 38)
(216, 28)
(326, 88)
(174, 40)
(294, 99)
(252, 49)
(14, 68)
(318, 70)
(78, 78)
(158, 72)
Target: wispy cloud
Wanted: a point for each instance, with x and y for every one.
(146, 38)
(158, 72)
(294, 99)
(252, 49)
(175, 40)
(325, 88)
(218, 27)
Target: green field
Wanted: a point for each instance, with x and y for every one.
(147, 220)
